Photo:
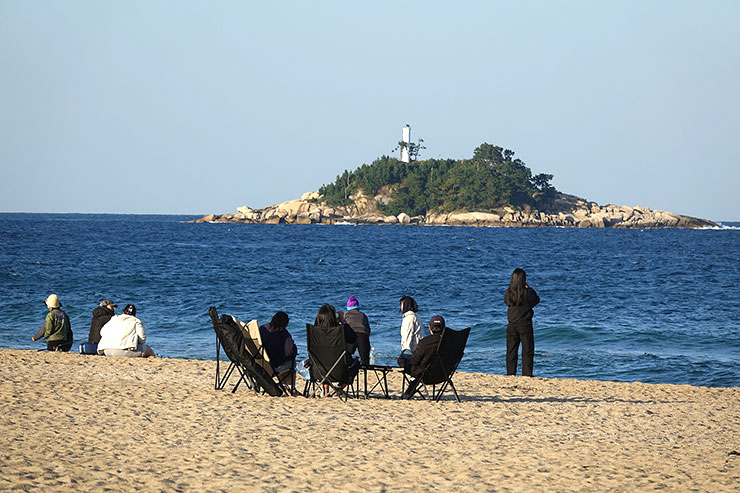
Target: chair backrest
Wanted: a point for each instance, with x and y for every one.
(327, 349)
(229, 335)
(449, 353)
(253, 342)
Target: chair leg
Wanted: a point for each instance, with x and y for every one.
(452, 385)
(221, 380)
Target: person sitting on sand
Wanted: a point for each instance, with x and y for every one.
(359, 323)
(423, 354)
(100, 316)
(327, 317)
(57, 329)
(410, 330)
(124, 335)
(278, 343)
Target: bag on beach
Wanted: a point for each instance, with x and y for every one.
(88, 348)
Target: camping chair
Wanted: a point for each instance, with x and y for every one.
(442, 366)
(329, 360)
(229, 337)
(253, 342)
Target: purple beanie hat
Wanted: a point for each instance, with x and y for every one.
(352, 303)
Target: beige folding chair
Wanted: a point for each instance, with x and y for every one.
(253, 343)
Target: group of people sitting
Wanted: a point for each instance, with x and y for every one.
(110, 334)
(124, 335)
(416, 350)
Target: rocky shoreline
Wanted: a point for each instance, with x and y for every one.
(565, 211)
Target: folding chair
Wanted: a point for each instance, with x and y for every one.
(330, 362)
(229, 337)
(441, 367)
(253, 342)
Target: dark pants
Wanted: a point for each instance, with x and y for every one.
(363, 347)
(59, 346)
(513, 336)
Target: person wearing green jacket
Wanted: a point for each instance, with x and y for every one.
(56, 329)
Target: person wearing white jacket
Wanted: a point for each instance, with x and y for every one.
(410, 330)
(124, 335)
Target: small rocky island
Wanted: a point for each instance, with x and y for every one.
(493, 188)
(573, 212)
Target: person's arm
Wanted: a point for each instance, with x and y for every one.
(45, 329)
(406, 330)
(41, 332)
(367, 324)
(291, 351)
(140, 332)
(532, 297)
(350, 338)
(506, 298)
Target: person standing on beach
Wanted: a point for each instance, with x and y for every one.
(410, 330)
(100, 316)
(359, 323)
(521, 299)
(124, 335)
(56, 329)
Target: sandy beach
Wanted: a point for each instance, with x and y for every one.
(89, 423)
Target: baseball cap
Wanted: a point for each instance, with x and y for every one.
(437, 323)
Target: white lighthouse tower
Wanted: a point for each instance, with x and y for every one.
(407, 139)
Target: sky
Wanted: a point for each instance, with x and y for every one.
(182, 107)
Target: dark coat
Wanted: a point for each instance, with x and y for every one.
(423, 354)
(521, 315)
(358, 321)
(101, 315)
(278, 344)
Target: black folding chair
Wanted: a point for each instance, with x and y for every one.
(441, 367)
(330, 363)
(229, 337)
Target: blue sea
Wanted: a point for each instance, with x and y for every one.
(659, 306)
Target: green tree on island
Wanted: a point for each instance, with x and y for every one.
(493, 178)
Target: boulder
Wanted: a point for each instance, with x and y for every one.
(473, 218)
(294, 207)
(310, 196)
(403, 218)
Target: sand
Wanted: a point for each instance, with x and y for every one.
(90, 423)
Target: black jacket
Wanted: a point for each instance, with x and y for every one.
(278, 344)
(101, 315)
(423, 354)
(521, 315)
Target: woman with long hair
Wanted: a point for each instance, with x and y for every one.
(521, 299)
(327, 318)
(410, 330)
